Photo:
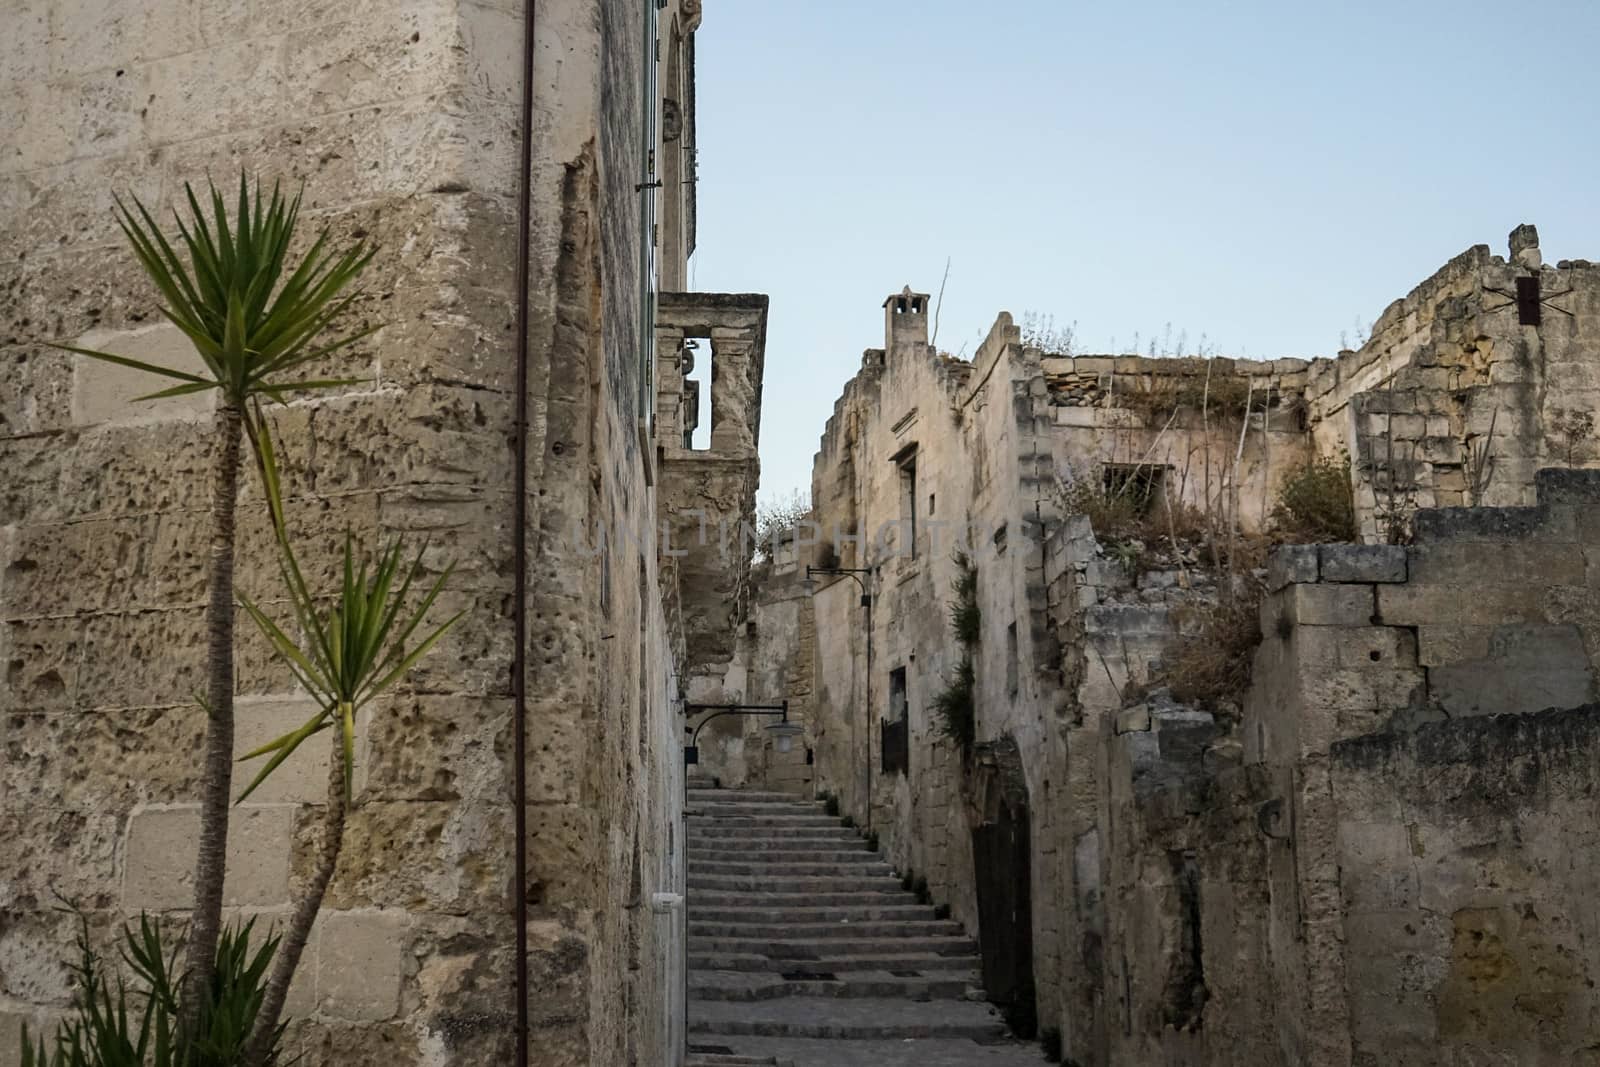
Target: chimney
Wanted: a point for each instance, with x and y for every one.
(905, 318)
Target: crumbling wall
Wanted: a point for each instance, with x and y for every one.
(1220, 434)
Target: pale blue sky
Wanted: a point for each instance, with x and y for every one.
(1266, 173)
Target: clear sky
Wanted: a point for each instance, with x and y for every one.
(1267, 173)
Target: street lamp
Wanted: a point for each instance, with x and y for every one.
(866, 602)
(783, 731)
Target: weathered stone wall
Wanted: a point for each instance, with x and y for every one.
(1467, 883)
(1221, 433)
(1188, 902)
(404, 128)
(1463, 390)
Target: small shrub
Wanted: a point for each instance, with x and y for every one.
(920, 888)
(872, 841)
(1114, 514)
(1316, 504)
(941, 912)
(830, 805)
(1050, 1045)
(1220, 392)
(907, 880)
(966, 618)
(1210, 665)
(848, 822)
(956, 706)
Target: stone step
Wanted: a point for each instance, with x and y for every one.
(866, 1018)
(783, 852)
(717, 1059)
(777, 928)
(907, 961)
(745, 883)
(776, 900)
(866, 913)
(788, 948)
(870, 869)
(754, 815)
(705, 830)
(747, 987)
(745, 796)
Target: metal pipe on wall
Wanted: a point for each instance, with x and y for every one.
(519, 511)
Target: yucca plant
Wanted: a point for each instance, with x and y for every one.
(108, 1028)
(254, 323)
(354, 646)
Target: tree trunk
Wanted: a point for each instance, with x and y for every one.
(305, 911)
(211, 862)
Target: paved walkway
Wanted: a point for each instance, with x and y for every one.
(805, 951)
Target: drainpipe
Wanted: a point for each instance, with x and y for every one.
(519, 512)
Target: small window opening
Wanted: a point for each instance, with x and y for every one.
(908, 502)
(704, 413)
(930, 503)
(1013, 673)
(1140, 483)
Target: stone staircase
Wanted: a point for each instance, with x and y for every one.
(797, 931)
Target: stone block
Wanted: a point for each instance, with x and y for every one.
(1467, 565)
(1133, 720)
(120, 469)
(1329, 605)
(1376, 868)
(39, 394)
(43, 661)
(456, 748)
(1363, 563)
(1439, 644)
(107, 392)
(87, 761)
(141, 659)
(62, 568)
(427, 856)
(1454, 605)
(300, 779)
(1291, 564)
(1528, 667)
(360, 964)
(160, 857)
(241, 81)
(31, 489)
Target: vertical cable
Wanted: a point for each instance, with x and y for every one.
(519, 512)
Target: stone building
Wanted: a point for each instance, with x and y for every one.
(404, 122)
(1381, 853)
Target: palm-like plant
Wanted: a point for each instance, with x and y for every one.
(354, 646)
(254, 324)
(107, 1028)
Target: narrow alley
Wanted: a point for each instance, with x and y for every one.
(806, 951)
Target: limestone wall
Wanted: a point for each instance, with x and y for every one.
(404, 127)
(1191, 901)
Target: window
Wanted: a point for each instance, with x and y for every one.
(1013, 676)
(895, 731)
(1142, 483)
(908, 499)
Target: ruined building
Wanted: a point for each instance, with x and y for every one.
(1379, 852)
(404, 122)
